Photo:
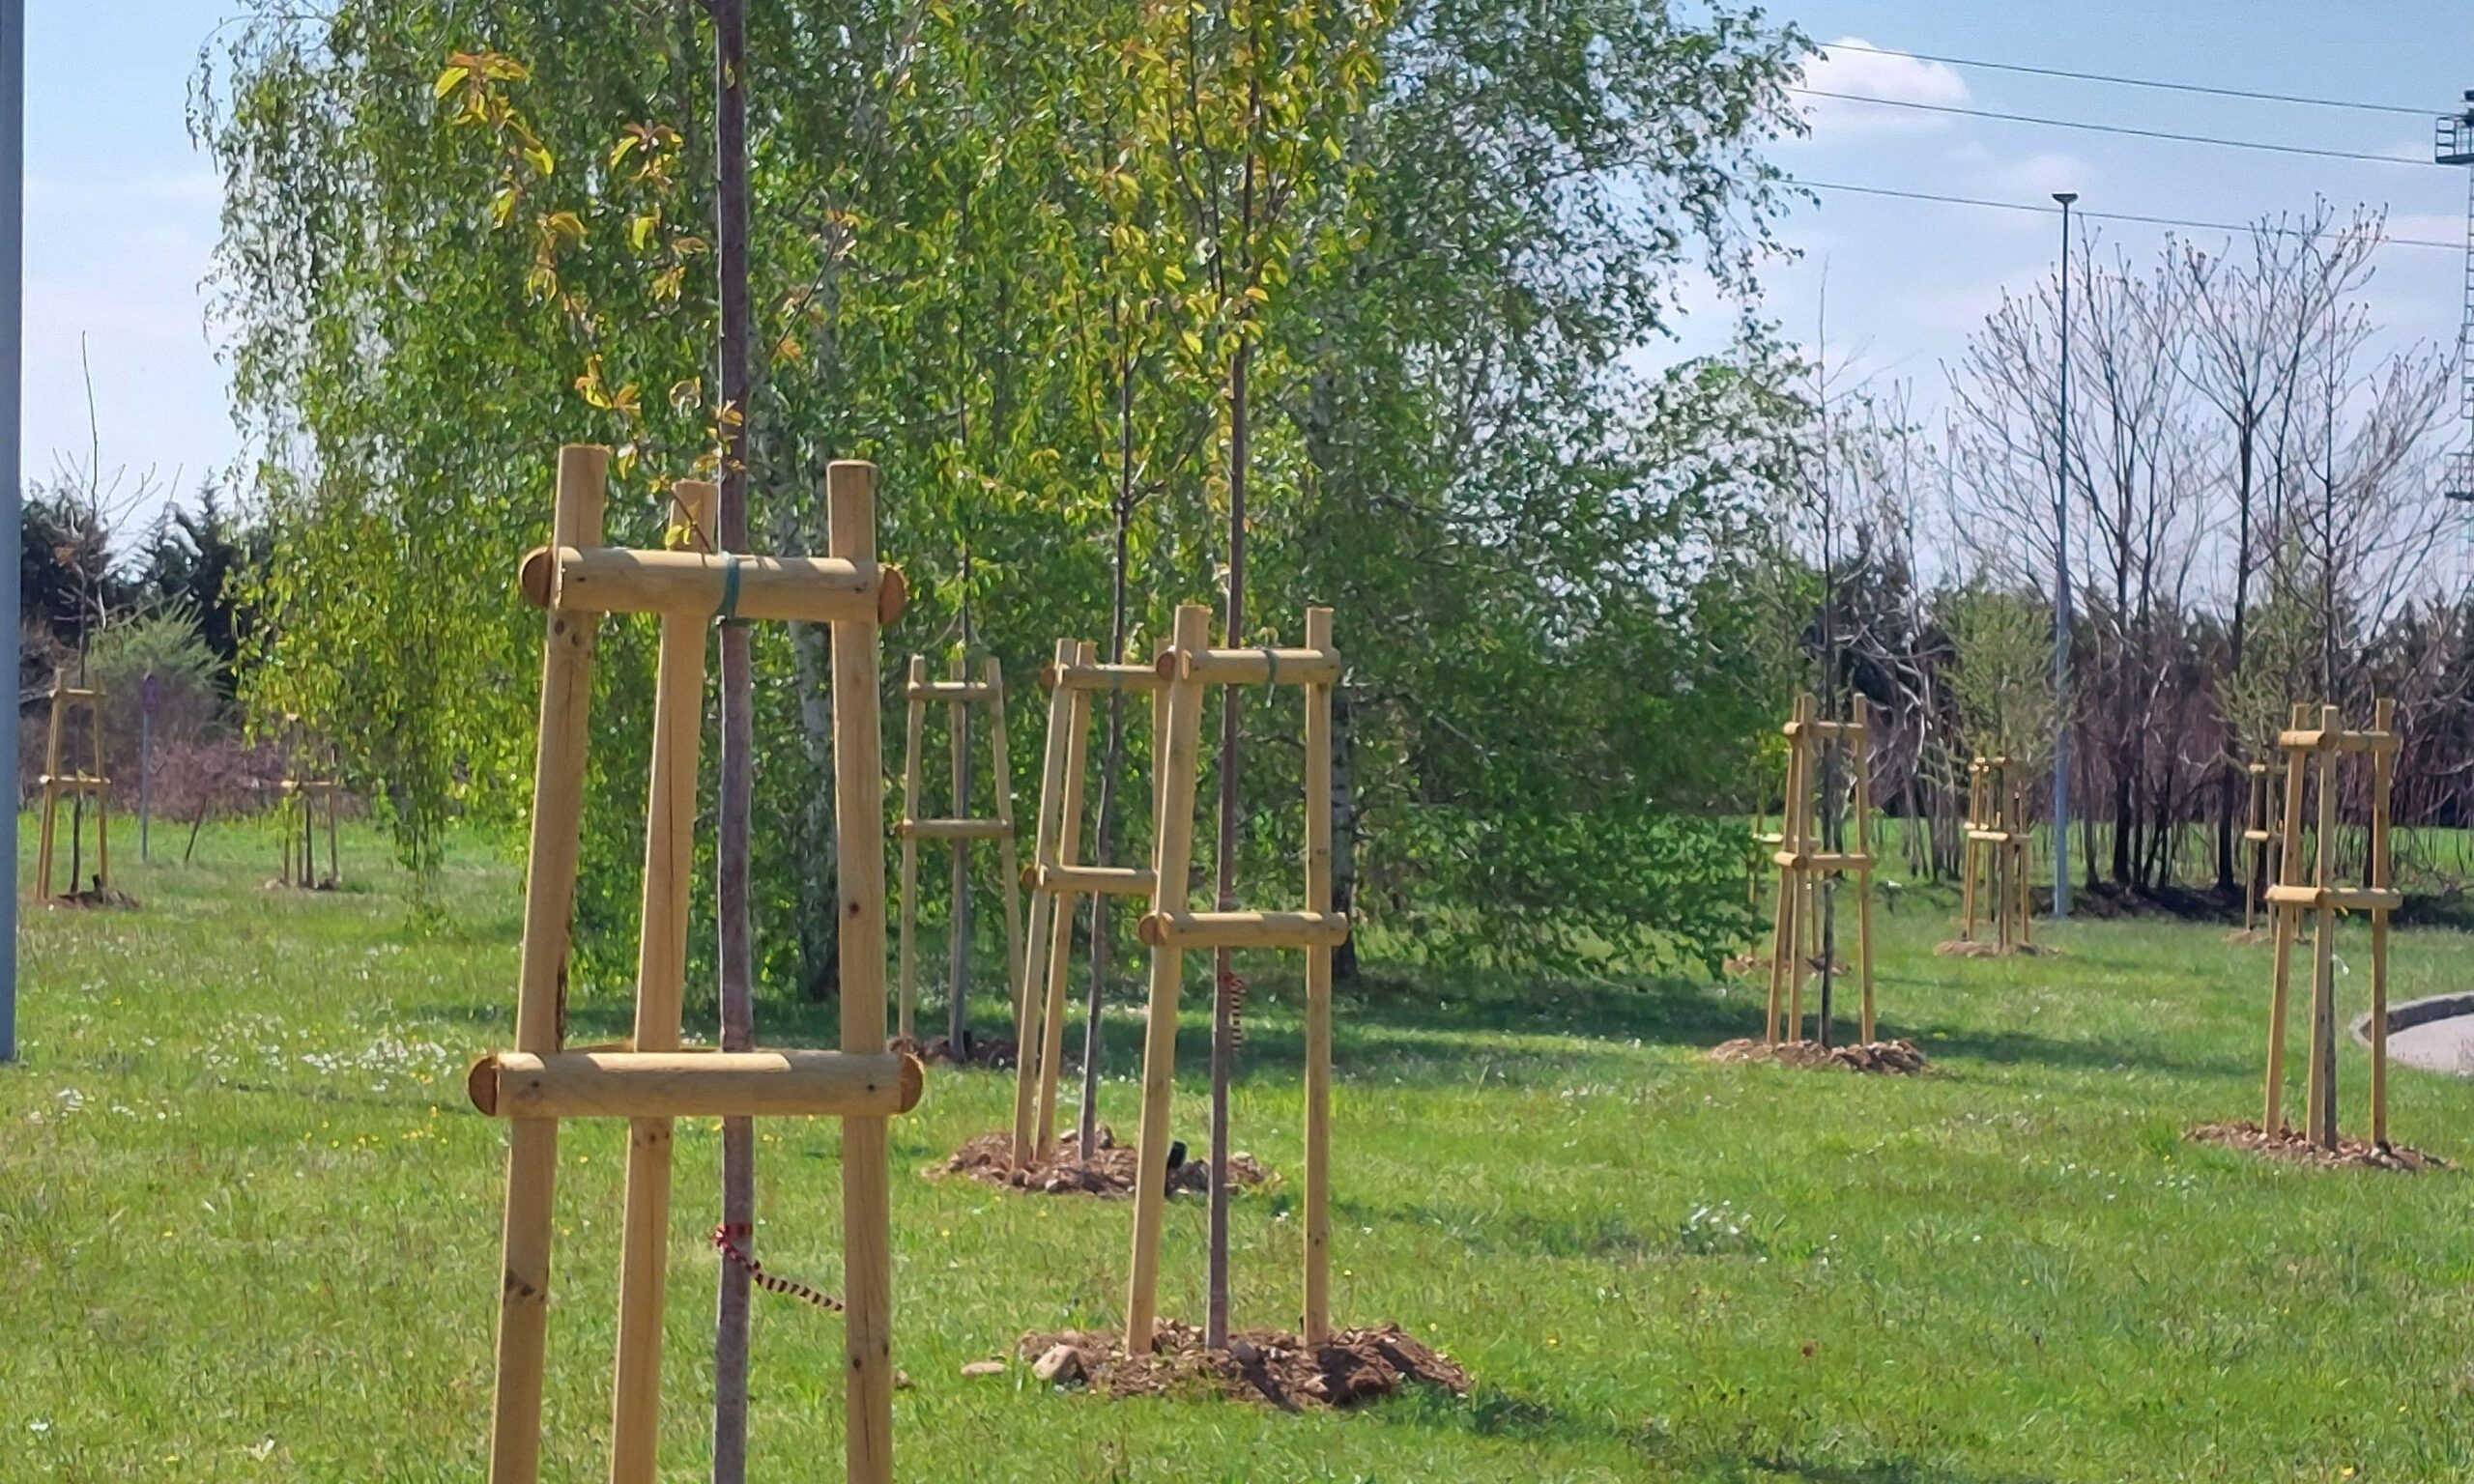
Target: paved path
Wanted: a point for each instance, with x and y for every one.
(2436, 1045)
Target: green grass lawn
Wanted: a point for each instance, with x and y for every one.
(248, 1227)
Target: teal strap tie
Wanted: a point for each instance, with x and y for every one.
(728, 612)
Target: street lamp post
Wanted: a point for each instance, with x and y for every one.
(2062, 597)
(13, 221)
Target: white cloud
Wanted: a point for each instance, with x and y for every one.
(114, 261)
(1877, 74)
(2034, 178)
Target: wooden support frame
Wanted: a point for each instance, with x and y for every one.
(1058, 880)
(1803, 865)
(2261, 828)
(1995, 854)
(651, 1081)
(959, 696)
(311, 790)
(2312, 757)
(1190, 665)
(83, 782)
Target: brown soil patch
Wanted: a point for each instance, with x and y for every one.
(1109, 1172)
(2249, 936)
(1354, 1368)
(1963, 948)
(1897, 1057)
(989, 1051)
(2289, 1145)
(94, 896)
(1746, 964)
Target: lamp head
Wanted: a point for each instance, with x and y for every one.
(2065, 197)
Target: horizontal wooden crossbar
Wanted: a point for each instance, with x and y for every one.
(1101, 880)
(74, 783)
(694, 1084)
(1823, 860)
(616, 579)
(74, 692)
(953, 829)
(1854, 731)
(949, 689)
(1267, 665)
(1100, 677)
(2353, 898)
(1984, 837)
(2257, 837)
(1245, 929)
(2316, 740)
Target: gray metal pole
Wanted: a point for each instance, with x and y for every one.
(2061, 599)
(145, 758)
(13, 275)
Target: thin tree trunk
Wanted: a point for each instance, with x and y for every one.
(1223, 1020)
(1344, 831)
(957, 972)
(2232, 779)
(736, 975)
(1104, 827)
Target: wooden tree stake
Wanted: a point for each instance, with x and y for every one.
(960, 695)
(1171, 930)
(1803, 865)
(2318, 750)
(651, 1082)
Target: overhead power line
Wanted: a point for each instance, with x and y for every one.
(2129, 217)
(2267, 146)
(2139, 82)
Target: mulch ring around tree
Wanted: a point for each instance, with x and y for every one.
(1896, 1057)
(1109, 1172)
(2290, 1146)
(1966, 948)
(1745, 965)
(1354, 1368)
(94, 896)
(984, 1051)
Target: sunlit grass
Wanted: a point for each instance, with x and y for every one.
(248, 1227)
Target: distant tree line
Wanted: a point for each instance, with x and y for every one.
(1105, 289)
(2258, 515)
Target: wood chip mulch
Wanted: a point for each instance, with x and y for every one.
(1355, 1366)
(1899, 1058)
(94, 896)
(1963, 948)
(2290, 1145)
(1743, 966)
(1109, 1172)
(991, 1051)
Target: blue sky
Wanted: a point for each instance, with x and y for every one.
(121, 209)
(1906, 280)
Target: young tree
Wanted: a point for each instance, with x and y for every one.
(1248, 101)
(2252, 317)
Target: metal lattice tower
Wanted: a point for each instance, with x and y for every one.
(2453, 144)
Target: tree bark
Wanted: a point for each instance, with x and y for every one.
(737, 969)
(1344, 832)
(1224, 1011)
(1104, 828)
